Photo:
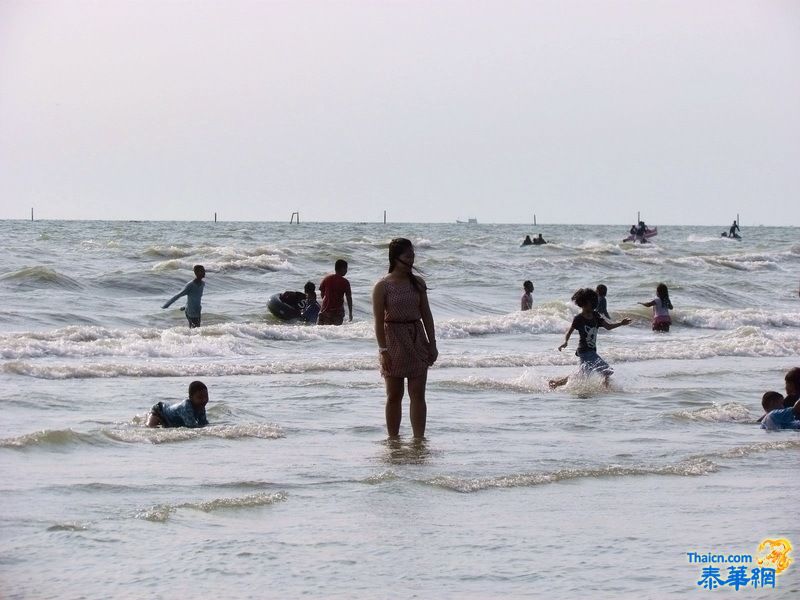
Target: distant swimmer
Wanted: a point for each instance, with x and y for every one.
(334, 289)
(527, 241)
(189, 413)
(661, 306)
(586, 323)
(193, 292)
(539, 240)
(776, 415)
(734, 228)
(526, 303)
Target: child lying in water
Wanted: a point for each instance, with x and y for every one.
(189, 413)
(777, 416)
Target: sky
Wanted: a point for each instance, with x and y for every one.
(574, 111)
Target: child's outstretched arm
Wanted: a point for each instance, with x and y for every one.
(651, 303)
(610, 326)
(566, 338)
(178, 295)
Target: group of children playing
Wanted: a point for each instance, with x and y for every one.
(335, 289)
(780, 412)
(593, 315)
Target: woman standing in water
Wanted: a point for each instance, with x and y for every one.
(406, 338)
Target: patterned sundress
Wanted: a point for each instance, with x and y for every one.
(405, 336)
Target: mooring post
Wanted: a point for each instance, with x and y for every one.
(215, 217)
(384, 217)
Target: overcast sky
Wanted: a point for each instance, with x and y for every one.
(577, 111)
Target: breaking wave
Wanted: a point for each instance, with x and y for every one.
(161, 512)
(62, 438)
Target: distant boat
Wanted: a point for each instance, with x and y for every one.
(472, 221)
(648, 234)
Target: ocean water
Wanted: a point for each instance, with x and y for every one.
(517, 491)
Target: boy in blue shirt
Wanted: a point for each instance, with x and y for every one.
(189, 413)
(193, 292)
(777, 416)
(310, 311)
(602, 307)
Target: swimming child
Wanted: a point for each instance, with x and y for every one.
(193, 292)
(587, 323)
(189, 413)
(777, 416)
(602, 308)
(310, 310)
(661, 307)
(526, 303)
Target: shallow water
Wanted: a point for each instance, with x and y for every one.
(294, 489)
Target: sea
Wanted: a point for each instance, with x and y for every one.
(294, 490)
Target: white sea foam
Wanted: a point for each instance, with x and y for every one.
(242, 339)
(222, 259)
(168, 252)
(58, 438)
(741, 342)
(729, 412)
(688, 468)
(161, 512)
(180, 434)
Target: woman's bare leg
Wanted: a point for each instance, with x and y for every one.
(419, 410)
(394, 404)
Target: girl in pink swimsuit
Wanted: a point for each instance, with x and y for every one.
(661, 307)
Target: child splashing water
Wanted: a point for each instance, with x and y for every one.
(661, 307)
(587, 323)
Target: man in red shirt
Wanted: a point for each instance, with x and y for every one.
(334, 288)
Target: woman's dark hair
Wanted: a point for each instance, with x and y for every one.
(397, 247)
(196, 386)
(584, 295)
(663, 293)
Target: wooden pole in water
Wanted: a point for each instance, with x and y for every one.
(534, 218)
(31, 213)
(215, 217)
(384, 217)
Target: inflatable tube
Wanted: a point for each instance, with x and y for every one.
(280, 309)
